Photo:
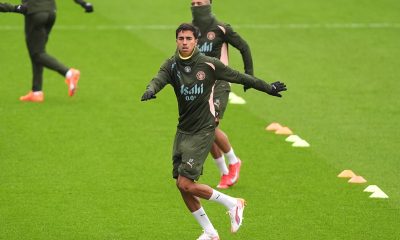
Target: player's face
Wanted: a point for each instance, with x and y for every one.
(196, 3)
(186, 42)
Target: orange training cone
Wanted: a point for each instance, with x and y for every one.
(357, 179)
(273, 127)
(284, 131)
(346, 174)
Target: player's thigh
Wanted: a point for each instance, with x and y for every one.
(176, 154)
(36, 32)
(195, 149)
(221, 99)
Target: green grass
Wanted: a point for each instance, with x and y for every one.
(98, 166)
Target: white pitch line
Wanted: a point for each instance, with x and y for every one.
(323, 26)
(238, 26)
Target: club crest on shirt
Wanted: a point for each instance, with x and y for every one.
(210, 36)
(188, 69)
(200, 75)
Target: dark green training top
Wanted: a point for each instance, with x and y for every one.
(34, 6)
(193, 81)
(6, 7)
(215, 37)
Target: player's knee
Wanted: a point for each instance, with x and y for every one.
(184, 186)
(37, 57)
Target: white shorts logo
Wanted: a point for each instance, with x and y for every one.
(190, 162)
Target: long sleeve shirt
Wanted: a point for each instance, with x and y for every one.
(193, 81)
(215, 38)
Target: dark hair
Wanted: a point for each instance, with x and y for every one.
(188, 27)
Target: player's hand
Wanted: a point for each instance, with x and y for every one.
(277, 87)
(20, 9)
(88, 7)
(148, 95)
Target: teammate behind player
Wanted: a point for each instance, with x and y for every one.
(214, 41)
(40, 16)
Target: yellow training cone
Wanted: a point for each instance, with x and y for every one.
(273, 127)
(284, 131)
(357, 179)
(379, 194)
(301, 143)
(346, 174)
(235, 99)
(372, 189)
(293, 138)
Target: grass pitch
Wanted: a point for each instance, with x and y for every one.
(98, 166)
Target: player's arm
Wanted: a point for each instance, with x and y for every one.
(226, 73)
(86, 5)
(234, 39)
(157, 83)
(6, 7)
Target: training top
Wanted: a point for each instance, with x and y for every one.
(34, 6)
(193, 81)
(215, 38)
(7, 7)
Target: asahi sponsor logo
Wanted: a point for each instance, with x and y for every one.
(191, 94)
(206, 47)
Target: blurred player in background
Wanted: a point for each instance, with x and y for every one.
(193, 75)
(213, 41)
(40, 16)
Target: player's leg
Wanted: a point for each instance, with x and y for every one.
(198, 212)
(190, 153)
(71, 75)
(222, 141)
(216, 152)
(194, 150)
(192, 202)
(219, 160)
(36, 94)
(37, 35)
(39, 26)
(223, 145)
(190, 190)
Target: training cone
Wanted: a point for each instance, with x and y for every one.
(293, 138)
(284, 131)
(301, 143)
(346, 174)
(235, 99)
(372, 189)
(357, 179)
(273, 127)
(379, 194)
